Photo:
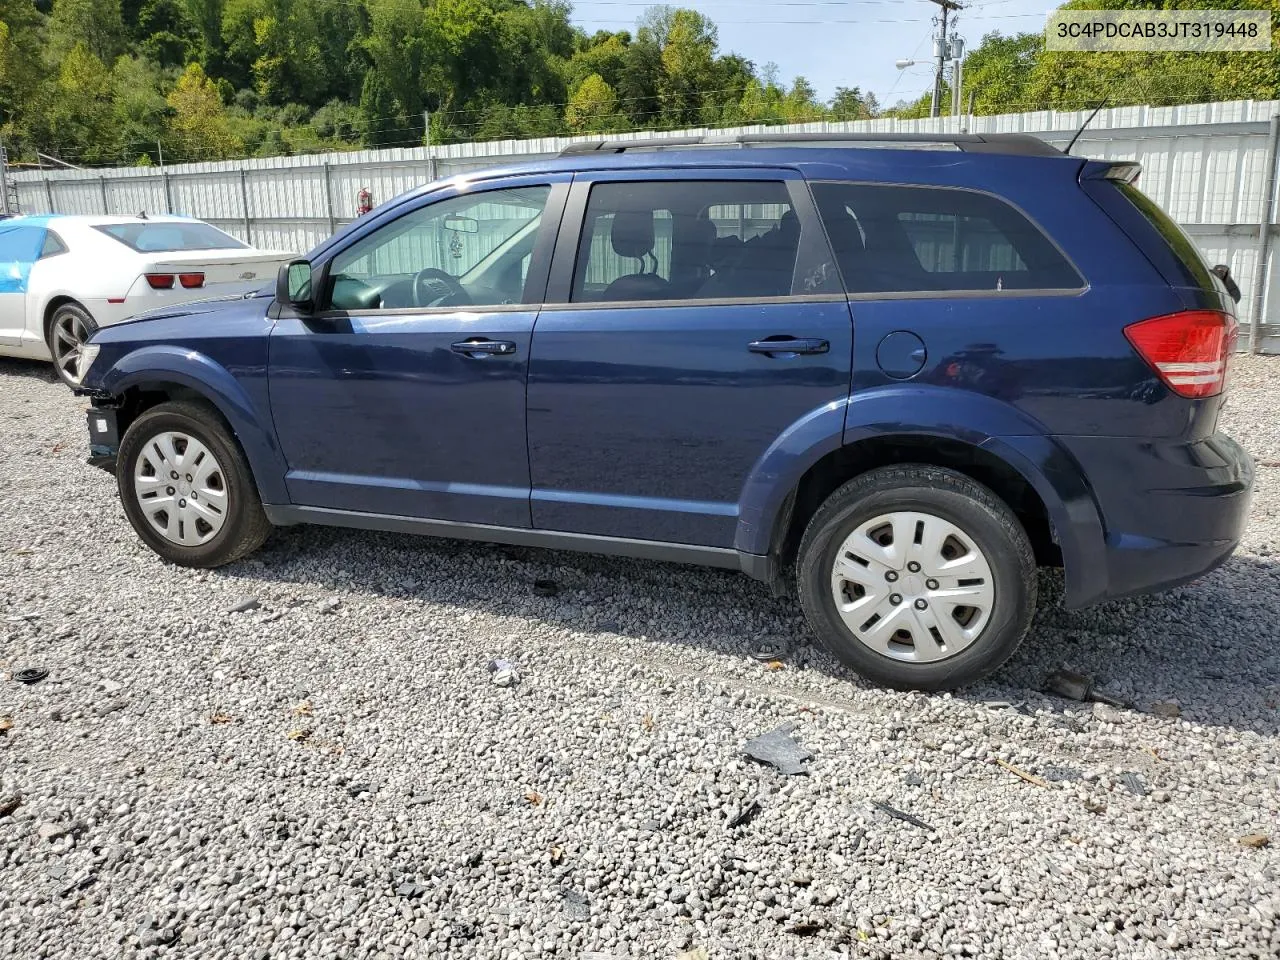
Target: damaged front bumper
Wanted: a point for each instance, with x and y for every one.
(104, 434)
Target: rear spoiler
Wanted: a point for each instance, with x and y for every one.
(1125, 171)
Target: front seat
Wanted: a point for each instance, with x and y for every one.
(632, 236)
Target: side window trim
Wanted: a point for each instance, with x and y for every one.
(59, 247)
(564, 260)
(967, 292)
(539, 261)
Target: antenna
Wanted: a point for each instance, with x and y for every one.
(1105, 101)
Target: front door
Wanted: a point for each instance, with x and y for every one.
(700, 317)
(404, 394)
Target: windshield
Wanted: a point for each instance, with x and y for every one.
(168, 236)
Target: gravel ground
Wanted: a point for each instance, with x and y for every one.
(334, 773)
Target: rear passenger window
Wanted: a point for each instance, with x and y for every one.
(686, 240)
(891, 239)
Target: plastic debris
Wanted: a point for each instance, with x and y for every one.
(697, 953)
(504, 673)
(745, 813)
(576, 904)
(1061, 774)
(9, 804)
(806, 928)
(778, 749)
(244, 605)
(1255, 840)
(901, 815)
(31, 675)
(1077, 686)
(1133, 783)
(770, 650)
(1166, 708)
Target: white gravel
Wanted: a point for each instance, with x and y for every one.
(334, 773)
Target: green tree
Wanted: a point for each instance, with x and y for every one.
(688, 41)
(849, 104)
(95, 24)
(80, 110)
(199, 122)
(594, 108)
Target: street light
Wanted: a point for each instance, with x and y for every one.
(903, 64)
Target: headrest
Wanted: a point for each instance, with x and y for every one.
(632, 233)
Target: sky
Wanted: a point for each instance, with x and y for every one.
(834, 43)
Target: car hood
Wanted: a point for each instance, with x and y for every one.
(195, 308)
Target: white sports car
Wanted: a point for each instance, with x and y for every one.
(63, 277)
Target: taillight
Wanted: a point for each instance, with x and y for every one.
(160, 281)
(1190, 350)
(191, 280)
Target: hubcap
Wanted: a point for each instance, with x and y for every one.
(913, 586)
(181, 488)
(69, 335)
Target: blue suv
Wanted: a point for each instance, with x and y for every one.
(892, 375)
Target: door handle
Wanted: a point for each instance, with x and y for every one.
(784, 346)
(479, 347)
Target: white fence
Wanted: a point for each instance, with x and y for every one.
(1211, 166)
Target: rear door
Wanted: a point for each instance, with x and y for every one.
(692, 318)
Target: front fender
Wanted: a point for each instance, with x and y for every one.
(164, 363)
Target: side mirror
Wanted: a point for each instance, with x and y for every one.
(293, 285)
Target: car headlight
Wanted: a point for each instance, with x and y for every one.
(88, 354)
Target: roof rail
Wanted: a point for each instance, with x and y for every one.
(1019, 144)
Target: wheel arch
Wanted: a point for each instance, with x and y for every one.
(50, 308)
(154, 375)
(1040, 483)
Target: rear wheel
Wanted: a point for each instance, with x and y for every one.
(917, 577)
(69, 329)
(186, 487)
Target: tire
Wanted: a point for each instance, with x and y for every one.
(69, 327)
(229, 523)
(958, 531)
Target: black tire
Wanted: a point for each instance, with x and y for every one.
(975, 510)
(245, 526)
(74, 318)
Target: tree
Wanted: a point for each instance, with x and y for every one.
(80, 111)
(594, 107)
(95, 24)
(688, 41)
(200, 122)
(849, 104)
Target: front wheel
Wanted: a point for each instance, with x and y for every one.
(186, 487)
(917, 577)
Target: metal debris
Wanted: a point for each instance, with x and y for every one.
(778, 749)
(1133, 783)
(1077, 686)
(901, 815)
(31, 675)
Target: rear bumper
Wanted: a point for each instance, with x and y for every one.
(1171, 512)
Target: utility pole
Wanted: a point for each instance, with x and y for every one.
(160, 151)
(940, 43)
(426, 126)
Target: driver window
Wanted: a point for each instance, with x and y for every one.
(469, 250)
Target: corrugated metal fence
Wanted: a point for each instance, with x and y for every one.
(1211, 166)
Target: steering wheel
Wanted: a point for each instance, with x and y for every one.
(432, 287)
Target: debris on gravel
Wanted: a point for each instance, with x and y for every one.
(778, 749)
(210, 834)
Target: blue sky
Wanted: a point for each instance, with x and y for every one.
(834, 42)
